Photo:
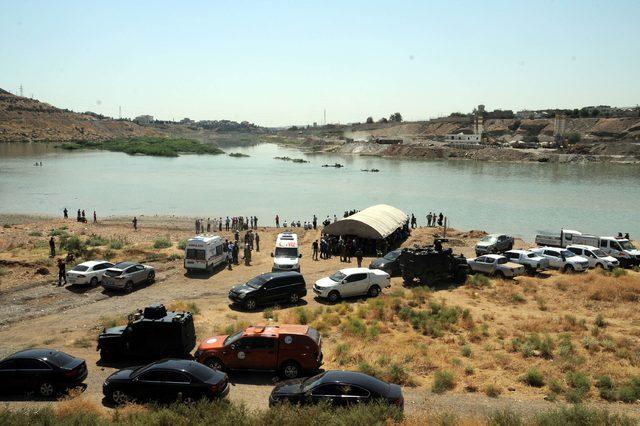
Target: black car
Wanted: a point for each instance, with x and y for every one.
(168, 380)
(271, 288)
(43, 370)
(151, 334)
(338, 388)
(388, 263)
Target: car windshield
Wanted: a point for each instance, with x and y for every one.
(502, 260)
(61, 359)
(286, 252)
(489, 239)
(80, 268)
(233, 338)
(599, 253)
(338, 277)
(256, 282)
(568, 253)
(312, 382)
(392, 255)
(626, 245)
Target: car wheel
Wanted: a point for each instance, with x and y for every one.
(214, 363)
(568, 269)
(334, 296)
(290, 370)
(128, 287)
(294, 298)
(599, 266)
(46, 389)
(499, 274)
(151, 277)
(250, 304)
(374, 291)
(93, 282)
(119, 397)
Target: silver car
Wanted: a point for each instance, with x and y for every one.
(495, 264)
(126, 275)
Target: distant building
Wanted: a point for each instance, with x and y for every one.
(143, 119)
(463, 138)
(526, 114)
(187, 121)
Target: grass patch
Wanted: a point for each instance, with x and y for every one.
(492, 391)
(154, 146)
(581, 415)
(443, 381)
(182, 244)
(533, 377)
(116, 244)
(433, 321)
(181, 305)
(478, 281)
(96, 240)
(162, 242)
(35, 234)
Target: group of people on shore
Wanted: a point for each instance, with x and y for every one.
(312, 224)
(232, 248)
(434, 219)
(233, 223)
(81, 216)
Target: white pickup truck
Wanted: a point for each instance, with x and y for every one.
(531, 261)
(620, 248)
(563, 259)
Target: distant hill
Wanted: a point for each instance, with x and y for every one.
(29, 120)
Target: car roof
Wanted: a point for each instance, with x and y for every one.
(519, 251)
(355, 378)
(91, 263)
(275, 330)
(583, 246)
(494, 256)
(271, 275)
(123, 265)
(349, 271)
(38, 353)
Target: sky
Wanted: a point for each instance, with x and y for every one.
(277, 63)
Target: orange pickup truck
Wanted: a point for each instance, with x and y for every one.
(288, 349)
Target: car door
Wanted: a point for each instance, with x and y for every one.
(149, 386)
(101, 268)
(8, 377)
(328, 394)
(554, 258)
(352, 285)
(254, 353)
(176, 385)
(32, 372)
(353, 395)
(481, 264)
(138, 273)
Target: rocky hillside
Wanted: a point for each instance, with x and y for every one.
(29, 120)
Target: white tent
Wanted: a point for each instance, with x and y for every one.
(375, 222)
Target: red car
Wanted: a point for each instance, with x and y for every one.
(288, 349)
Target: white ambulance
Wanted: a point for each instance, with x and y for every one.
(203, 252)
(286, 256)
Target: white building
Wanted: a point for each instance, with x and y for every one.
(143, 119)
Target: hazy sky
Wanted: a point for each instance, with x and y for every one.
(283, 62)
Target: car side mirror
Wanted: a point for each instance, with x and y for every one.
(271, 254)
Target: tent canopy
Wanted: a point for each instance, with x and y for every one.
(375, 222)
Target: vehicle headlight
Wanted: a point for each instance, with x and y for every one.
(241, 295)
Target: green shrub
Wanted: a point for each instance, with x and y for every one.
(579, 415)
(443, 381)
(433, 321)
(600, 322)
(72, 244)
(116, 244)
(492, 391)
(478, 281)
(96, 240)
(182, 244)
(533, 377)
(465, 351)
(356, 327)
(342, 354)
(162, 242)
(6, 226)
(35, 234)
(578, 386)
(504, 417)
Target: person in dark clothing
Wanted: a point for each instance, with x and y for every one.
(413, 221)
(79, 218)
(235, 252)
(437, 244)
(440, 218)
(255, 222)
(359, 256)
(95, 217)
(626, 236)
(135, 223)
(52, 247)
(315, 250)
(65, 212)
(315, 222)
(84, 216)
(257, 238)
(62, 273)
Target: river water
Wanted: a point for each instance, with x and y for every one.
(519, 199)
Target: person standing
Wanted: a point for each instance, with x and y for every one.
(84, 217)
(315, 250)
(277, 221)
(247, 255)
(135, 223)
(229, 257)
(359, 256)
(220, 225)
(414, 222)
(226, 224)
(95, 217)
(79, 218)
(208, 224)
(236, 251)
(315, 222)
(65, 212)
(52, 247)
(62, 272)
(197, 226)
(440, 218)
(257, 242)
(255, 222)
(429, 220)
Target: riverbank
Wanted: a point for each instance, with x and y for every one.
(530, 344)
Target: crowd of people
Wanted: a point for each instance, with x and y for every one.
(81, 216)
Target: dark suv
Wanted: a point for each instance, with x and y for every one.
(275, 287)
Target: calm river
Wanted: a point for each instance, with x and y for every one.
(520, 199)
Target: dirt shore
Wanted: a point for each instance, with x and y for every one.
(34, 312)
